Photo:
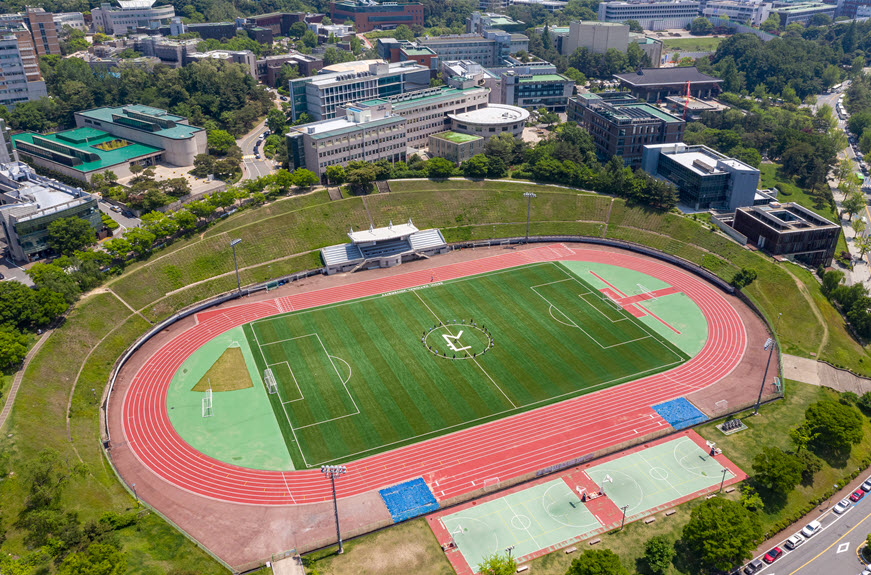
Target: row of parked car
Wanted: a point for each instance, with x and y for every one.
(806, 533)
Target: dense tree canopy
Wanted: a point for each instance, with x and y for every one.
(836, 426)
(721, 534)
(597, 562)
(69, 235)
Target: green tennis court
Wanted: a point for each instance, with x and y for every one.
(658, 475)
(529, 520)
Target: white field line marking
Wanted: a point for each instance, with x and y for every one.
(288, 488)
(298, 388)
(528, 532)
(475, 360)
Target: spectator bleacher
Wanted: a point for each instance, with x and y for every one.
(409, 499)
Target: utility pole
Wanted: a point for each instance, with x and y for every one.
(528, 196)
(331, 471)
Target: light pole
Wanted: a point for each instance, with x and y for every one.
(624, 508)
(508, 550)
(331, 471)
(528, 196)
(136, 495)
(769, 345)
(236, 264)
(724, 478)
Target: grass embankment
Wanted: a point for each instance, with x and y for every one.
(692, 44)
(103, 324)
(769, 428)
(772, 177)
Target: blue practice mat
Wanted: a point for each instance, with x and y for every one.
(680, 413)
(409, 499)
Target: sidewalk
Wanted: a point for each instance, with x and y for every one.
(818, 373)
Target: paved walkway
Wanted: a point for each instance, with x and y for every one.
(16, 381)
(818, 373)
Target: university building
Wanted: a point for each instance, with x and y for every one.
(368, 15)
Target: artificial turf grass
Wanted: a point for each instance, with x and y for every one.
(404, 394)
(228, 373)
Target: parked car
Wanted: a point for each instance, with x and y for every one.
(753, 567)
(794, 542)
(773, 555)
(842, 506)
(811, 529)
(857, 495)
(866, 487)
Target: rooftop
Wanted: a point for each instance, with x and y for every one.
(492, 114)
(145, 118)
(543, 78)
(339, 126)
(788, 217)
(136, 4)
(419, 97)
(418, 51)
(82, 143)
(381, 234)
(803, 7)
(661, 76)
(455, 137)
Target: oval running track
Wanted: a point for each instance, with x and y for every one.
(451, 464)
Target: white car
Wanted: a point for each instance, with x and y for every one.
(811, 529)
(842, 506)
(794, 542)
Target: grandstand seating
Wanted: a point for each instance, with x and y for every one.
(426, 239)
(680, 413)
(409, 499)
(383, 249)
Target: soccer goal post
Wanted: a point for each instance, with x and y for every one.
(269, 378)
(207, 404)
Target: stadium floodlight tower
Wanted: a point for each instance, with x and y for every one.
(769, 346)
(331, 471)
(528, 196)
(236, 264)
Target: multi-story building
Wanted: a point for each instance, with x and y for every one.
(549, 5)
(753, 12)
(490, 49)
(651, 14)
(360, 135)
(854, 8)
(802, 12)
(244, 57)
(129, 15)
(174, 135)
(171, 52)
(426, 111)
(269, 67)
(789, 230)
(478, 22)
(622, 126)
(455, 146)
(368, 15)
(30, 203)
(532, 89)
(74, 20)
(20, 80)
(656, 84)
(41, 27)
(598, 37)
(321, 95)
(7, 149)
(490, 121)
(394, 50)
(704, 178)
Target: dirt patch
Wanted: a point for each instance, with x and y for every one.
(228, 373)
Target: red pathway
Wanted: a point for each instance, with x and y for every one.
(453, 464)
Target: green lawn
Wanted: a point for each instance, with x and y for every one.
(707, 44)
(542, 335)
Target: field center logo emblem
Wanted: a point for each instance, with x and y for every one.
(457, 339)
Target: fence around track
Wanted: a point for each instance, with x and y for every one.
(505, 243)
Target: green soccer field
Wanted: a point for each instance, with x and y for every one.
(372, 374)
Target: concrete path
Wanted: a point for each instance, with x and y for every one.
(817, 373)
(288, 566)
(16, 381)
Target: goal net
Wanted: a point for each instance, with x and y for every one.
(207, 404)
(269, 378)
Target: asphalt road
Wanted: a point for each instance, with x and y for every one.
(125, 222)
(251, 166)
(831, 551)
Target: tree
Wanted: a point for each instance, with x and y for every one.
(118, 248)
(658, 552)
(597, 562)
(276, 121)
(220, 141)
(360, 175)
(69, 235)
(297, 29)
(701, 27)
(141, 241)
(497, 564)
(335, 175)
(303, 178)
(853, 203)
(439, 168)
(744, 278)
(310, 39)
(575, 75)
(476, 167)
(333, 55)
(777, 470)
(175, 187)
(99, 559)
(13, 346)
(634, 26)
(836, 426)
(403, 32)
(721, 534)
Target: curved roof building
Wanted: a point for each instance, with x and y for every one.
(489, 121)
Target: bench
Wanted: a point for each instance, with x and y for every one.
(730, 489)
(649, 520)
(595, 541)
(571, 550)
(670, 512)
(522, 569)
(711, 496)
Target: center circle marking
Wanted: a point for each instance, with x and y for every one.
(658, 473)
(457, 339)
(521, 522)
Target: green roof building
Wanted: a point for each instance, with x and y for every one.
(455, 146)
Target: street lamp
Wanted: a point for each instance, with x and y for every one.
(508, 550)
(769, 345)
(624, 508)
(133, 485)
(725, 469)
(236, 264)
(331, 471)
(528, 196)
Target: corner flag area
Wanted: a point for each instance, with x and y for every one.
(583, 502)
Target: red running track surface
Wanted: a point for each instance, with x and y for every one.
(452, 464)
